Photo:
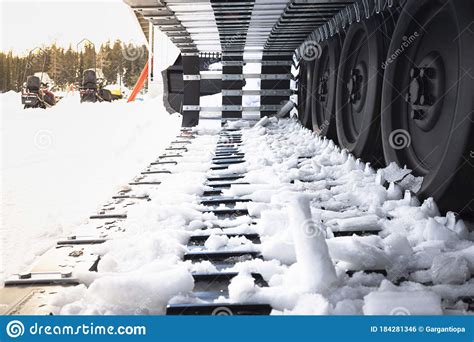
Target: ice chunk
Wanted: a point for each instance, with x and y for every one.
(369, 222)
(348, 307)
(394, 192)
(400, 253)
(242, 288)
(132, 293)
(263, 122)
(360, 253)
(201, 267)
(68, 295)
(402, 303)
(256, 209)
(214, 242)
(279, 247)
(310, 304)
(264, 196)
(394, 173)
(430, 208)
(457, 226)
(411, 183)
(436, 231)
(449, 270)
(398, 245)
(317, 270)
(468, 254)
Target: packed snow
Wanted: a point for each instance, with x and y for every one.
(58, 165)
(306, 192)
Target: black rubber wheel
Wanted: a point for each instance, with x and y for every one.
(323, 104)
(49, 99)
(359, 88)
(105, 95)
(427, 122)
(89, 97)
(309, 94)
(304, 93)
(301, 90)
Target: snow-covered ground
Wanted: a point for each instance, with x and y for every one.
(58, 165)
(298, 205)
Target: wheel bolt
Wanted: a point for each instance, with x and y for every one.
(414, 72)
(429, 72)
(422, 100)
(417, 114)
(350, 86)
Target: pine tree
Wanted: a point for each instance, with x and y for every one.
(67, 66)
(3, 70)
(8, 67)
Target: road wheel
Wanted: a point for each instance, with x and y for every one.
(303, 93)
(323, 104)
(427, 121)
(358, 90)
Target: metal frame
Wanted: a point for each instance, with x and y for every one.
(275, 32)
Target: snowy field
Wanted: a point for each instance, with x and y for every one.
(58, 165)
(299, 207)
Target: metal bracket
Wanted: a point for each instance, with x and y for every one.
(191, 77)
(42, 278)
(191, 108)
(262, 92)
(81, 240)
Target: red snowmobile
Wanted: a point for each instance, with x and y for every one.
(36, 94)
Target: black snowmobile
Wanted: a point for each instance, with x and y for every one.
(36, 94)
(92, 89)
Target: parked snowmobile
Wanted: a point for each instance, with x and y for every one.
(92, 89)
(36, 94)
(36, 91)
(115, 91)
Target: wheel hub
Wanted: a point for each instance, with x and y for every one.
(323, 87)
(354, 85)
(424, 91)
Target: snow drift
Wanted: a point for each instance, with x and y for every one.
(58, 165)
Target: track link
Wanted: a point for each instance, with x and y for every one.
(29, 292)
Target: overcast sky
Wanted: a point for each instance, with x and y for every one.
(26, 24)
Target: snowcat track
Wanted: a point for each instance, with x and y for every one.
(29, 292)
